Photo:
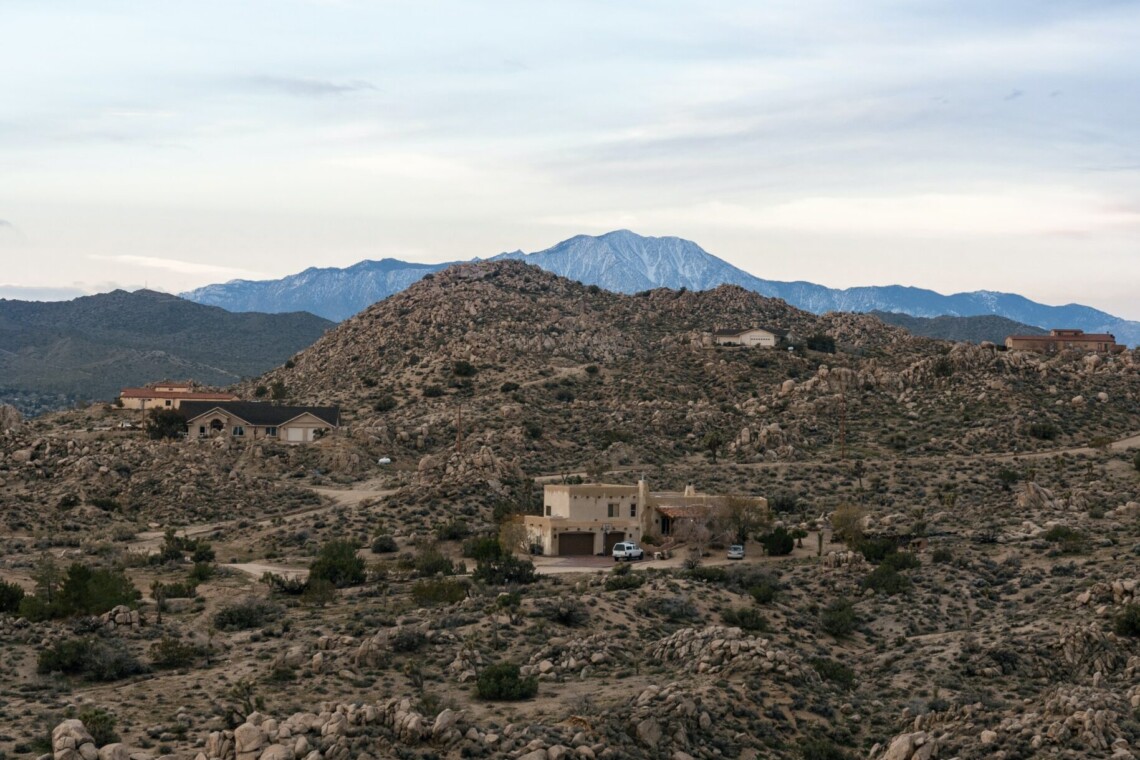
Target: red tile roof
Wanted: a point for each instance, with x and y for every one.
(189, 395)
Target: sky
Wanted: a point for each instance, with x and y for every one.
(957, 146)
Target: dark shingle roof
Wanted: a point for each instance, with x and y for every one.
(259, 412)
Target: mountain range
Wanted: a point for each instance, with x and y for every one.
(625, 262)
(54, 354)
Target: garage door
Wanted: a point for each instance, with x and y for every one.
(576, 544)
(294, 434)
(612, 538)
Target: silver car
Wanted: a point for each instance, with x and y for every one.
(736, 551)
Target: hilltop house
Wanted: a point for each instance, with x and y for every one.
(253, 420)
(763, 337)
(1065, 340)
(167, 395)
(590, 518)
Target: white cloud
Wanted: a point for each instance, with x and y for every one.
(180, 267)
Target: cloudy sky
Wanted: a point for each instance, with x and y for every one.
(952, 145)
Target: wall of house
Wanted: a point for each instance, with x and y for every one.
(758, 338)
(589, 502)
(545, 531)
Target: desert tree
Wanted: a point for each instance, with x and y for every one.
(740, 516)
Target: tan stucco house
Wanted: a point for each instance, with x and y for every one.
(1065, 340)
(590, 518)
(168, 396)
(762, 337)
(254, 420)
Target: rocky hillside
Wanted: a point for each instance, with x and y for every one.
(970, 329)
(54, 354)
(555, 376)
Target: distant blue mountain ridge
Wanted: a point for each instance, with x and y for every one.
(625, 262)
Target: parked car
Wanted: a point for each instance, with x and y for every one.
(628, 551)
(736, 551)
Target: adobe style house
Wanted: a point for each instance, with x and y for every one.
(753, 336)
(590, 518)
(1065, 340)
(255, 421)
(167, 395)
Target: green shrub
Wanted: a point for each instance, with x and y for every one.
(185, 590)
(902, 561)
(453, 530)
(504, 570)
(942, 556)
(778, 543)
(174, 653)
(822, 343)
(819, 748)
(1127, 623)
(483, 548)
(564, 395)
(318, 592)
(384, 404)
(502, 683)
(90, 658)
(83, 591)
(748, 618)
(384, 545)
(838, 618)
(11, 594)
(675, 609)
(876, 549)
(439, 591)
(463, 368)
(884, 579)
(509, 387)
(431, 561)
(533, 430)
(164, 423)
(621, 582)
(1136, 462)
(337, 563)
(568, 612)
(765, 591)
(245, 614)
(783, 502)
(432, 391)
(712, 574)
(407, 640)
(100, 724)
(1068, 540)
(833, 671)
(1044, 431)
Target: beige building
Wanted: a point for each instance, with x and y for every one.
(168, 396)
(590, 518)
(1065, 340)
(253, 421)
(753, 336)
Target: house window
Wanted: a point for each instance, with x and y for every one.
(238, 431)
(633, 510)
(201, 431)
(270, 432)
(169, 402)
(548, 510)
(613, 510)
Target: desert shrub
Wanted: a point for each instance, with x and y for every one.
(820, 748)
(100, 724)
(533, 430)
(1127, 623)
(318, 592)
(504, 570)
(943, 367)
(748, 618)
(1068, 540)
(942, 556)
(564, 395)
(179, 590)
(838, 618)
(884, 579)
(482, 548)
(502, 683)
(337, 563)
(463, 368)
(783, 502)
(834, 671)
(675, 609)
(876, 549)
(201, 572)
(432, 391)
(164, 423)
(902, 561)
(453, 530)
(431, 561)
(384, 545)
(439, 591)
(568, 612)
(847, 523)
(1044, 431)
(384, 404)
(174, 653)
(84, 591)
(90, 658)
(1008, 478)
(245, 614)
(822, 343)
(778, 543)
(10, 596)
(407, 640)
(712, 574)
(624, 581)
(765, 591)
(508, 387)
(1136, 462)
(284, 584)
